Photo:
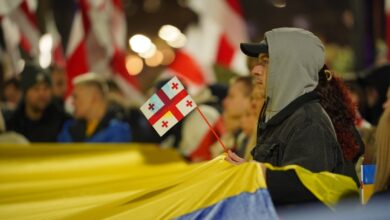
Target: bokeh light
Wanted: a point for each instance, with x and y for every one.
(134, 64)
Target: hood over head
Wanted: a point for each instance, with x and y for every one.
(295, 58)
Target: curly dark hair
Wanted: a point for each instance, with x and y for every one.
(342, 112)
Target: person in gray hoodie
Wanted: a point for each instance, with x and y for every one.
(293, 127)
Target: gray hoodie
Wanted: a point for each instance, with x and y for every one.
(296, 57)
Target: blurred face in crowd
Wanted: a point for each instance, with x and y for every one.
(59, 81)
(259, 72)
(236, 100)
(248, 121)
(12, 94)
(84, 98)
(38, 97)
(354, 97)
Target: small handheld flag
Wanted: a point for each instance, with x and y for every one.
(168, 106)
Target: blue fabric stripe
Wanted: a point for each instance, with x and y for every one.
(368, 176)
(257, 205)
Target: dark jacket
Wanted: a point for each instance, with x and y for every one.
(301, 134)
(110, 129)
(293, 127)
(45, 129)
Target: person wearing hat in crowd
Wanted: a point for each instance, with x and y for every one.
(59, 85)
(36, 117)
(93, 122)
(293, 127)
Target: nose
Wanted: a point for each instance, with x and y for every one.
(259, 69)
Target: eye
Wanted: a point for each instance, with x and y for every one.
(265, 61)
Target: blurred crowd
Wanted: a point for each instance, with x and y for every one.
(35, 107)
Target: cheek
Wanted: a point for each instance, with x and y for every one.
(31, 97)
(48, 94)
(258, 69)
(78, 103)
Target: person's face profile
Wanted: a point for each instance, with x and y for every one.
(259, 71)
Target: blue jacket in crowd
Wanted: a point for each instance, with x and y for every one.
(109, 129)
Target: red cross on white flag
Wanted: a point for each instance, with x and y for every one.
(168, 106)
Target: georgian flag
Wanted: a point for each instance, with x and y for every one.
(168, 106)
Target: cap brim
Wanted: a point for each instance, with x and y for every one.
(254, 49)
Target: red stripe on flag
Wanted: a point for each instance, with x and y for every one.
(164, 98)
(25, 43)
(225, 51)
(58, 55)
(77, 64)
(185, 66)
(84, 8)
(118, 4)
(169, 105)
(30, 16)
(178, 115)
(235, 5)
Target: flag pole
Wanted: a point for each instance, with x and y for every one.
(212, 129)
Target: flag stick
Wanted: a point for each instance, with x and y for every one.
(212, 129)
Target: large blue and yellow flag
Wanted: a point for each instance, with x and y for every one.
(93, 181)
(125, 182)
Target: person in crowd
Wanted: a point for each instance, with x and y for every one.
(59, 85)
(93, 121)
(196, 137)
(386, 104)
(37, 117)
(11, 96)
(338, 104)
(358, 99)
(257, 102)
(293, 127)
(12, 93)
(369, 136)
(250, 125)
(10, 137)
(235, 104)
(382, 156)
(382, 142)
(376, 83)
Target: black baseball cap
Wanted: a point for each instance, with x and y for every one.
(254, 49)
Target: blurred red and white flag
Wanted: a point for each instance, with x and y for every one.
(98, 37)
(20, 30)
(57, 52)
(22, 14)
(25, 19)
(215, 40)
(76, 54)
(168, 106)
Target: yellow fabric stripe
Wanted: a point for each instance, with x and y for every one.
(328, 187)
(119, 181)
(94, 181)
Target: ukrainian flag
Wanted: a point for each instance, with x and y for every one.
(95, 181)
